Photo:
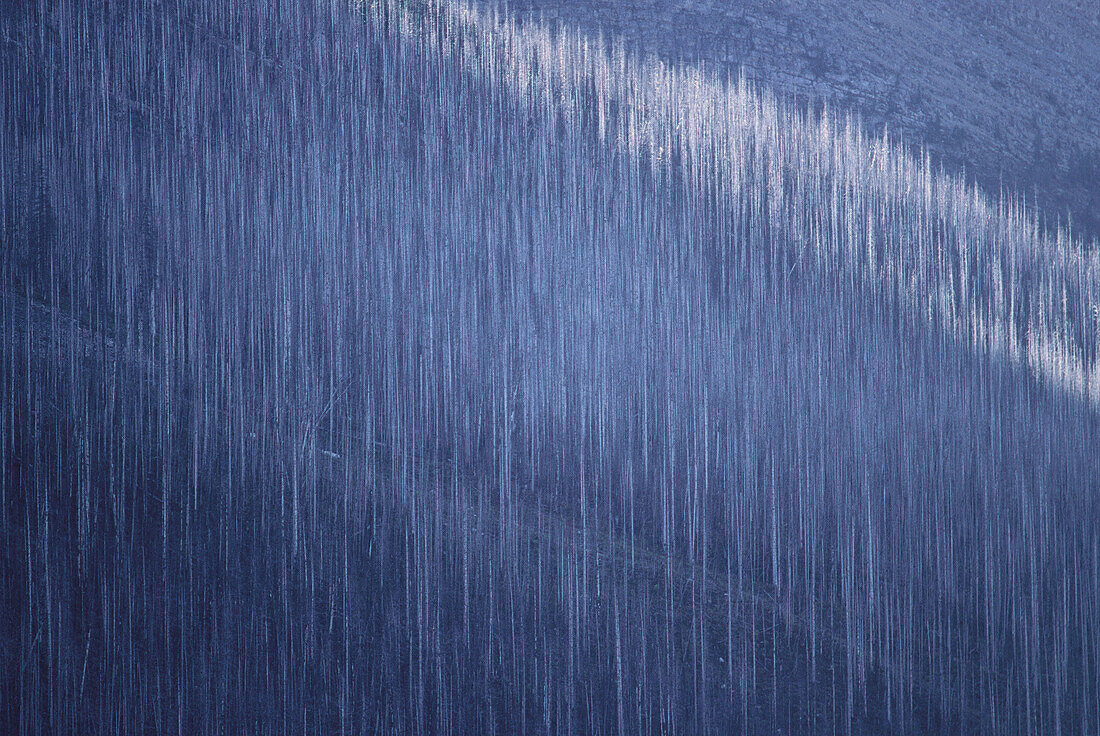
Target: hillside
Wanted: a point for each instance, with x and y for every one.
(397, 368)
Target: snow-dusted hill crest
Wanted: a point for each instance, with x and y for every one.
(1004, 90)
(983, 270)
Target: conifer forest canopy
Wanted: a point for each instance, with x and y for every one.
(422, 367)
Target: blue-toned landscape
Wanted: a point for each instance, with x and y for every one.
(427, 367)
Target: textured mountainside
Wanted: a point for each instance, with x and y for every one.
(390, 368)
(1008, 91)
